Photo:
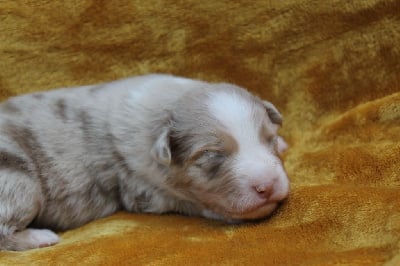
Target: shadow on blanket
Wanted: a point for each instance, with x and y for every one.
(332, 67)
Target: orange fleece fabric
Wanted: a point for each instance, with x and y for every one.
(331, 67)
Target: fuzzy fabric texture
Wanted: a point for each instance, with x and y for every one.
(331, 67)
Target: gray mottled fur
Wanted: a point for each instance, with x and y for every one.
(70, 156)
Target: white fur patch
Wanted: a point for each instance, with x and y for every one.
(147, 89)
(235, 113)
(255, 163)
(37, 238)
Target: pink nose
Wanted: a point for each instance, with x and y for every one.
(264, 190)
(270, 189)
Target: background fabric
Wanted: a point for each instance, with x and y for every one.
(331, 67)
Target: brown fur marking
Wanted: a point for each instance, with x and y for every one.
(61, 109)
(13, 162)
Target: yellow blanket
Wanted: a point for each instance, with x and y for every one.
(331, 67)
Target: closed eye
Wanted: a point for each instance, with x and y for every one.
(211, 153)
(211, 162)
(207, 157)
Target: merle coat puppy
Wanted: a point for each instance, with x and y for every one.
(151, 144)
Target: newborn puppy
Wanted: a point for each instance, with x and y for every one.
(150, 144)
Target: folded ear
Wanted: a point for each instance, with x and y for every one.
(282, 146)
(161, 151)
(273, 113)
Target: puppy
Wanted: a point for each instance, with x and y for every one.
(148, 144)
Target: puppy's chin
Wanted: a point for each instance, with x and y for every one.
(237, 217)
(255, 213)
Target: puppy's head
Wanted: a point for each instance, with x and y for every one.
(222, 150)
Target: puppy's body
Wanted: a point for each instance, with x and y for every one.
(153, 144)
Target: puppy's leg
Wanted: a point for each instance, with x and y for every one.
(20, 202)
(33, 238)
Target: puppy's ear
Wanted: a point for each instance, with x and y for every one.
(273, 113)
(161, 151)
(282, 146)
